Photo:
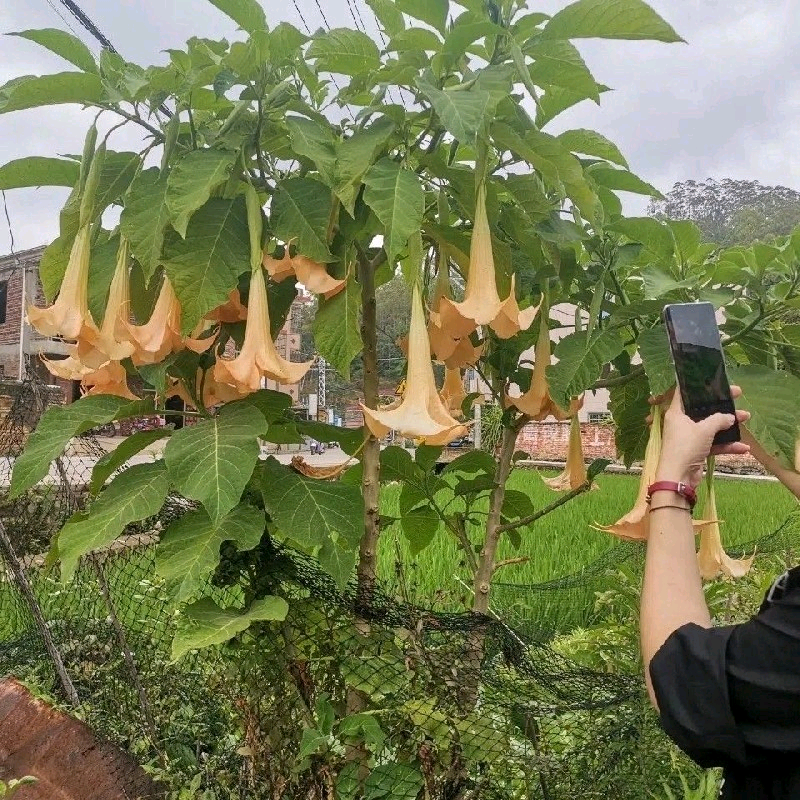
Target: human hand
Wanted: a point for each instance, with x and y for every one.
(686, 444)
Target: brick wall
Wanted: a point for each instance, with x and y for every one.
(549, 440)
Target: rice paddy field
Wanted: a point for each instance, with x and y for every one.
(561, 545)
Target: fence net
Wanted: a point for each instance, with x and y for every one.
(353, 696)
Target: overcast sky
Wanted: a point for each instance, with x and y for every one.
(727, 104)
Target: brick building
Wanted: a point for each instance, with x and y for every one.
(19, 342)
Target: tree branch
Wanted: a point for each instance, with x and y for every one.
(521, 523)
(618, 380)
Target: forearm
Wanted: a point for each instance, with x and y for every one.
(672, 593)
(789, 478)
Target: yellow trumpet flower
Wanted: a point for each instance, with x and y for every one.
(313, 275)
(161, 334)
(453, 393)
(111, 378)
(711, 557)
(69, 315)
(258, 357)
(574, 474)
(420, 413)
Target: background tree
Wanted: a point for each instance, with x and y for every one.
(731, 212)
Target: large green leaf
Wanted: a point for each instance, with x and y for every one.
(557, 99)
(53, 265)
(397, 465)
(434, 12)
(108, 464)
(33, 91)
(204, 623)
(393, 781)
(609, 19)
(63, 44)
(188, 552)
(345, 52)
(629, 408)
(420, 526)
(623, 181)
(336, 329)
(102, 264)
(145, 218)
(58, 425)
(388, 15)
(312, 139)
(135, 494)
(191, 182)
(247, 14)
(592, 143)
(39, 171)
(654, 235)
(581, 359)
(654, 350)
(396, 196)
(771, 398)
(559, 63)
(464, 113)
(211, 462)
(338, 561)
(301, 212)
(309, 511)
(116, 175)
(206, 265)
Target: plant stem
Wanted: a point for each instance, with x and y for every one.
(370, 483)
(133, 118)
(521, 523)
(619, 380)
(483, 575)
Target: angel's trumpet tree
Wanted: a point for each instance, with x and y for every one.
(161, 334)
(420, 413)
(711, 557)
(574, 474)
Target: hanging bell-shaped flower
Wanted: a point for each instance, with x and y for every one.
(453, 393)
(69, 315)
(574, 474)
(536, 403)
(510, 320)
(161, 334)
(420, 412)
(711, 557)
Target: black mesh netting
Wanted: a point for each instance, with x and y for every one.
(352, 696)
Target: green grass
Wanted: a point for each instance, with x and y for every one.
(559, 545)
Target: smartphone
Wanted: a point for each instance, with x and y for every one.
(699, 364)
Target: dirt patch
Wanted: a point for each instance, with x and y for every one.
(63, 754)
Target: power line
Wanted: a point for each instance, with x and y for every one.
(84, 20)
(322, 14)
(385, 44)
(62, 17)
(353, 15)
(302, 18)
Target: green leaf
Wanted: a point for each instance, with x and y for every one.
(108, 464)
(427, 456)
(472, 462)
(609, 19)
(688, 237)
(421, 39)
(623, 181)
(516, 505)
(581, 359)
(434, 12)
(53, 265)
(461, 36)
(309, 512)
(39, 171)
(464, 113)
(206, 266)
(204, 623)
(301, 211)
(771, 398)
(135, 494)
(349, 439)
(420, 526)
(592, 143)
(557, 99)
(211, 462)
(188, 551)
(654, 235)
(145, 218)
(344, 52)
(397, 465)
(116, 175)
(388, 15)
(58, 425)
(63, 44)
(656, 358)
(247, 14)
(597, 467)
(33, 91)
(396, 196)
(559, 63)
(393, 782)
(337, 335)
(338, 561)
(273, 405)
(191, 182)
(316, 141)
(629, 408)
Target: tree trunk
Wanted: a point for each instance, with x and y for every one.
(370, 484)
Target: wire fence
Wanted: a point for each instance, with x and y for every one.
(351, 698)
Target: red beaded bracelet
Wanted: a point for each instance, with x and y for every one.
(684, 490)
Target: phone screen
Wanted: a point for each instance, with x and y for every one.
(699, 363)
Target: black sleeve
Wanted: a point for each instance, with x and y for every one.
(690, 684)
(732, 695)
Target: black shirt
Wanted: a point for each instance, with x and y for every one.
(730, 697)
